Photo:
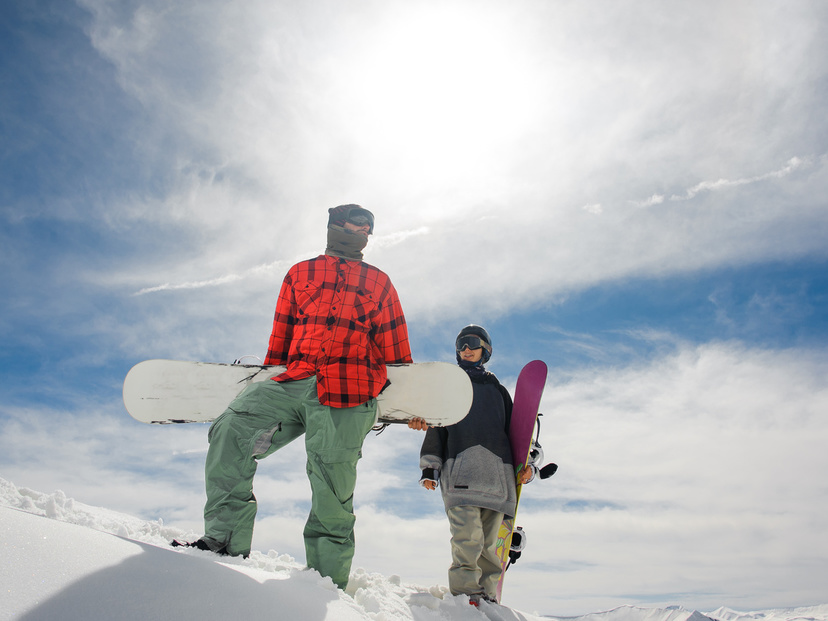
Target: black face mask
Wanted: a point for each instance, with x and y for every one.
(474, 369)
(344, 243)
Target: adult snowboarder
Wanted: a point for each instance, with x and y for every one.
(472, 460)
(338, 322)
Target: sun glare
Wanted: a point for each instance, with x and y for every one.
(445, 86)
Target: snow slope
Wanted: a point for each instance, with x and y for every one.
(63, 560)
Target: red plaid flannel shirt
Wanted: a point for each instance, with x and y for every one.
(342, 321)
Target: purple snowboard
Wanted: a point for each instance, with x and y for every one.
(528, 393)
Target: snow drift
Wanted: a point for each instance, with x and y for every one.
(63, 560)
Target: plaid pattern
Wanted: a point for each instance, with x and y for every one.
(342, 321)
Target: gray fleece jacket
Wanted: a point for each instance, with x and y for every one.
(472, 459)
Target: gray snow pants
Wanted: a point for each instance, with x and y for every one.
(475, 566)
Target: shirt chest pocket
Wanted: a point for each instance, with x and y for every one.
(364, 310)
(308, 299)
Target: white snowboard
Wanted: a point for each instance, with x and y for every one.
(163, 392)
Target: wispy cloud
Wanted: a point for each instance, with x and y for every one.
(394, 239)
(655, 199)
(709, 186)
(274, 269)
(271, 269)
(792, 165)
(214, 282)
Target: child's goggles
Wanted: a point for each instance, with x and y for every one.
(471, 341)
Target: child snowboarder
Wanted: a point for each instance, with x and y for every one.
(473, 462)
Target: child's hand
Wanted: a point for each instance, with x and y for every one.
(526, 475)
(418, 423)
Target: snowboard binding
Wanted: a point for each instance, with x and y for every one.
(536, 456)
(518, 542)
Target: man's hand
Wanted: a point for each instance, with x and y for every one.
(430, 485)
(418, 423)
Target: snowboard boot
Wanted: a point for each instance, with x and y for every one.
(476, 598)
(200, 544)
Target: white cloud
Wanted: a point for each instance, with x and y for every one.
(699, 464)
(704, 462)
(508, 131)
(690, 475)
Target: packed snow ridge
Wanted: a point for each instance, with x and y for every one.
(59, 560)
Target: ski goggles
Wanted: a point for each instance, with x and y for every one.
(359, 216)
(471, 341)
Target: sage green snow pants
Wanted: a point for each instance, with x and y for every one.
(265, 417)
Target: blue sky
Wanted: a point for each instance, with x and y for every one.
(633, 192)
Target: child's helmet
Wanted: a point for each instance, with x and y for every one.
(474, 336)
